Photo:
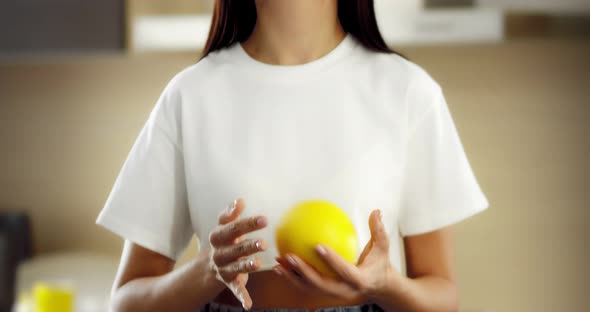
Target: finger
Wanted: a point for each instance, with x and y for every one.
(306, 271)
(292, 270)
(296, 265)
(225, 255)
(346, 271)
(309, 277)
(232, 212)
(248, 265)
(239, 290)
(378, 233)
(291, 277)
(228, 233)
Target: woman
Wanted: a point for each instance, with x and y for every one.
(292, 100)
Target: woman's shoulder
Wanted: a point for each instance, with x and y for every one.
(395, 68)
(403, 69)
(419, 89)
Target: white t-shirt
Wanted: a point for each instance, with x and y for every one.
(362, 129)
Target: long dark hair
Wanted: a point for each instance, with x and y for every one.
(234, 20)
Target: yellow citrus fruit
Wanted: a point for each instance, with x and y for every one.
(314, 222)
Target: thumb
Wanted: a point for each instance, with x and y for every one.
(378, 233)
(238, 288)
(232, 212)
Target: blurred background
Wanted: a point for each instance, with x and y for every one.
(79, 78)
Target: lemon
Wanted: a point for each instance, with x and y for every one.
(314, 222)
(51, 298)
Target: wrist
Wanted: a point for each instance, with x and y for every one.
(204, 269)
(394, 286)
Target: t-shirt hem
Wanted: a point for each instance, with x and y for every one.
(137, 235)
(434, 223)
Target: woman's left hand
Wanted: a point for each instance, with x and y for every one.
(371, 276)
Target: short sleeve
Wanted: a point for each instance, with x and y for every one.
(148, 203)
(439, 185)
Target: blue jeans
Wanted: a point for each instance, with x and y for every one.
(216, 307)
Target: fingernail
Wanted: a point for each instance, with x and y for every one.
(379, 214)
(321, 250)
(240, 297)
(261, 221)
(258, 245)
(232, 206)
(252, 264)
(292, 261)
(277, 271)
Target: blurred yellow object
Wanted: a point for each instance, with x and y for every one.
(314, 222)
(53, 298)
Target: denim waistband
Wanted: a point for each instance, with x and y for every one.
(217, 307)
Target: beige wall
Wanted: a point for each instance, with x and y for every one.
(66, 126)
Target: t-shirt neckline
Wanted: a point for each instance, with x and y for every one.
(289, 71)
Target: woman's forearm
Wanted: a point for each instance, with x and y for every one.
(186, 289)
(428, 293)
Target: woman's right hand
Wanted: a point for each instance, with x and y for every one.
(231, 257)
